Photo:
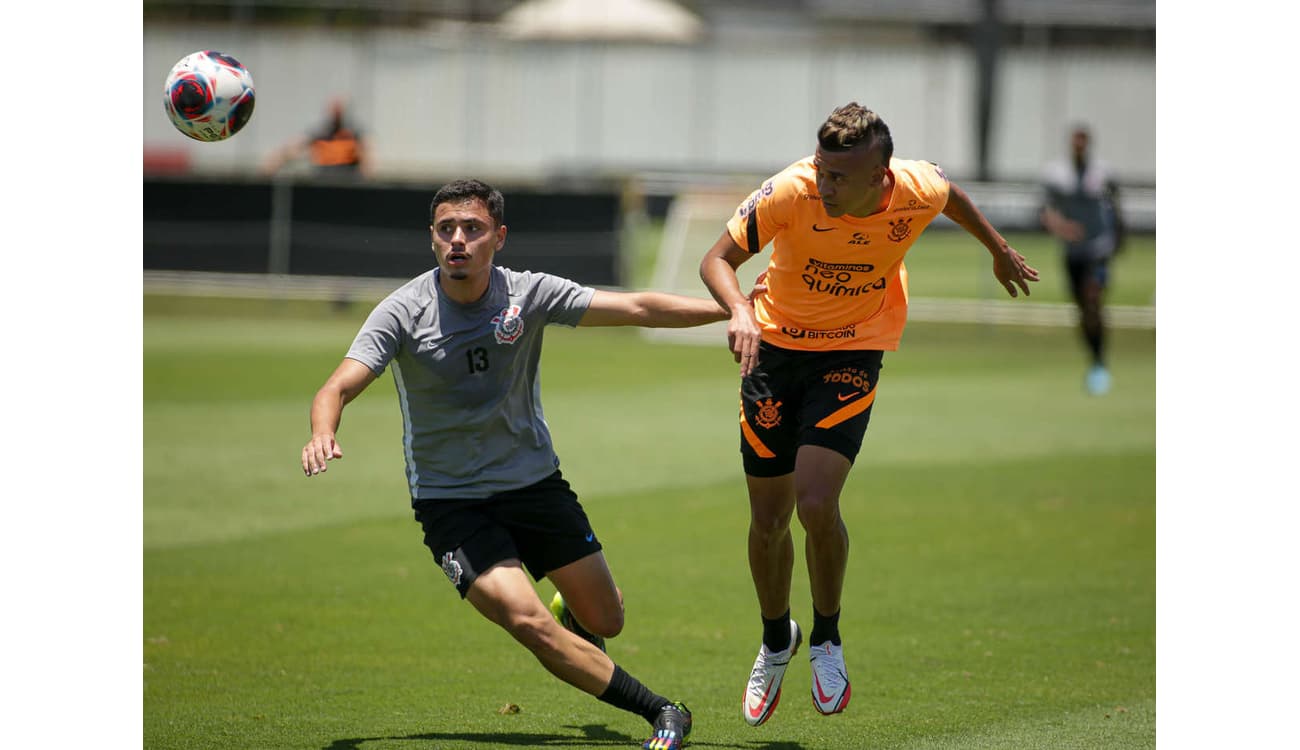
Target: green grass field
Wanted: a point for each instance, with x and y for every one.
(1000, 592)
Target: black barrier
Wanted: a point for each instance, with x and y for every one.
(211, 226)
(379, 231)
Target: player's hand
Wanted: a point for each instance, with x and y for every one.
(321, 448)
(1061, 227)
(743, 336)
(1012, 270)
(743, 333)
(1072, 231)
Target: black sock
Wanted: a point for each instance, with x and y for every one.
(825, 628)
(627, 692)
(1096, 338)
(776, 632)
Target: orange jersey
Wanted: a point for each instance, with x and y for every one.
(836, 283)
(340, 148)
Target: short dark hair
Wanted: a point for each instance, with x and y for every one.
(852, 125)
(460, 191)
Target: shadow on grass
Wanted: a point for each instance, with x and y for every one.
(590, 735)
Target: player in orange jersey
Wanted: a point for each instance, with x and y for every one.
(336, 149)
(810, 352)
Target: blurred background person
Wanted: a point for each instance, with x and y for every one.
(336, 148)
(1081, 208)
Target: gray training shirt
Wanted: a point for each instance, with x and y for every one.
(1084, 197)
(466, 379)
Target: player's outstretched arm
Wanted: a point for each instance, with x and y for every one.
(349, 379)
(650, 309)
(1060, 227)
(292, 151)
(1009, 266)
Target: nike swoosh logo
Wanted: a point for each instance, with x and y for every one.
(819, 229)
(823, 697)
(843, 397)
(590, 537)
(756, 711)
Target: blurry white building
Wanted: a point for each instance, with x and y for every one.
(452, 87)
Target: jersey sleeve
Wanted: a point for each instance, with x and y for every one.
(562, 301)
(934, 183)
(380, 336)
(764, 213)
(1054, 181)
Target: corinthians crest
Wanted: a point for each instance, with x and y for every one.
(769, 414)
(508, 324)
(900, 229)
(452, 568)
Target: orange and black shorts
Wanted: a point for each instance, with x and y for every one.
(795, 398)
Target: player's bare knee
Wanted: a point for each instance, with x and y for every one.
(769, 524)
(818, 511)
(607, 623)
(600, 616)
(614, 622)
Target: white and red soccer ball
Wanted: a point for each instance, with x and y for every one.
(209, 96)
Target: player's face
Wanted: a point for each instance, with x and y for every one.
(850, 182)
(1079, 145)
(465, 239)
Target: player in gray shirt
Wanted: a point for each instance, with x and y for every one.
(466, 376)
(1081, 208)
(463, 342)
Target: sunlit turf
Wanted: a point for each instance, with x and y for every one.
(1001, 589)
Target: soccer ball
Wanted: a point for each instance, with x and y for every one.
(208, 96)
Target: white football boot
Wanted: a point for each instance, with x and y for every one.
(830, 680)
(764, 689)
(1097, 381)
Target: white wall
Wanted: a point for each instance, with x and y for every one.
(1044, 93)
(461, 100)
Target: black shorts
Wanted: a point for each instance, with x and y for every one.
(795, 398)
(1079, 271)
(542, 525)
